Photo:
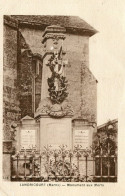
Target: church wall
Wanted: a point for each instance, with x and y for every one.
(89, 96)
(10, 91)
(82, 84)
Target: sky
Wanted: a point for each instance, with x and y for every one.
(107, 55)
(106, 47)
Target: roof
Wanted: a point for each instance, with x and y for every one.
(69, 22)
(111, 122)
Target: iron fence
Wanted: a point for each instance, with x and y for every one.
(97, 164)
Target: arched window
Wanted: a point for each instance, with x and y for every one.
(37, 80)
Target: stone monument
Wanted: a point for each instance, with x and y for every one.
(54, 111)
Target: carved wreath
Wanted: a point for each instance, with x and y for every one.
(60, 95)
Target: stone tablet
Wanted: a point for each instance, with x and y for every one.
(55, 132)
(28, 139)
(81, 137)
(57, 135)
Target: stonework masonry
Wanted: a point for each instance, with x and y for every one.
(10, 91)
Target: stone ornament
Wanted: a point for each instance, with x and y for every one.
(54, 32)
(54, 110)
(53, 36)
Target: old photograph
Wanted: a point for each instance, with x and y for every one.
(51, 130)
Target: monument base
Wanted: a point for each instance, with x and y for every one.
(83, 132)
(55, 132)
(55, 123)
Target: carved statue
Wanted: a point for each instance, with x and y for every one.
(57, 82)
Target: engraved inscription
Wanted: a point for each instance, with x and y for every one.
(81, 137)
(28, 138)
(57, 134)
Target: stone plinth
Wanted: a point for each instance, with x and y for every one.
(83, 133)
(28, 134)
(55, 123)
(55, 132)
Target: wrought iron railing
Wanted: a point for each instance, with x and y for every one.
(97, 164)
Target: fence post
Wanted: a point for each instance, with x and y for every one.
(25, 164)
(17, 174)
(93, 155)
(70, 158)
(40, 164)
(116, 165)
(55, 156)
(108, 160)
(101, 152)
(86, 167)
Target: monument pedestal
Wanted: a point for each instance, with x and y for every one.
(55, 123)
(55, 132)
(83, 133)
(28, 134)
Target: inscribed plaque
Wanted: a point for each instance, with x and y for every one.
(57, 134)
(28, 138)
(81, 137)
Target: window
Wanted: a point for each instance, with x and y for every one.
(37, 80)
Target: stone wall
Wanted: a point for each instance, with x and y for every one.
(10, 91)
(82, 84)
